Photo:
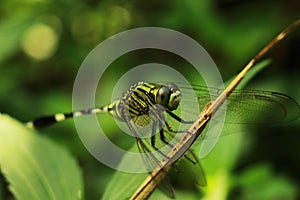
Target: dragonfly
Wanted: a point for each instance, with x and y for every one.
(154, 105)
(144, 102)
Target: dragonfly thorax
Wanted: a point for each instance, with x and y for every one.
(143, 97)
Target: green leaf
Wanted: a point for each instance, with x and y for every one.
(35, 167)
(123, 185)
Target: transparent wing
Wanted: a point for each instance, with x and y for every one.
(151, 161)
(248, 106)
(143, 127)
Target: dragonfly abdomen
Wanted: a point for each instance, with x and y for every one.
(59, 117)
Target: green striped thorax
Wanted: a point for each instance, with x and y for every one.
(141, 96)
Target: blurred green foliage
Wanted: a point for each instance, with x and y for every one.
(43, 43)
(36, 167)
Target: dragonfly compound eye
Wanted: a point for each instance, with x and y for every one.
(163, 96)
(175, 96)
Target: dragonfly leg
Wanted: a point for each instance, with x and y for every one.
(193, 159)
(162, 135)
(171, 130)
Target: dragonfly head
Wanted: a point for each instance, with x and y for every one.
(169, 96)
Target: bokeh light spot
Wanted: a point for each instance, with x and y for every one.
(40, 41)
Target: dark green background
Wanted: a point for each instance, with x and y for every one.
(231, 31)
